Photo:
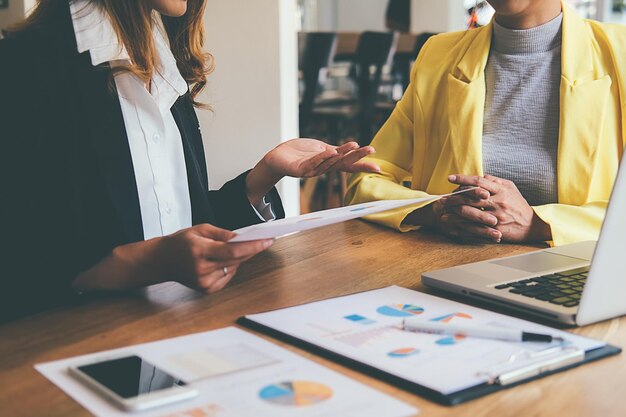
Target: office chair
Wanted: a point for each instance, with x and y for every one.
(317, 51)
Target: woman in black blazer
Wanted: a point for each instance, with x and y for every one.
(72, 180)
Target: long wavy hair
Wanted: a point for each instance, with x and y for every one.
(133, 22)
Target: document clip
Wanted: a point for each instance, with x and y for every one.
(527, 364)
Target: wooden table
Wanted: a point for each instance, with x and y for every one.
(314, 265)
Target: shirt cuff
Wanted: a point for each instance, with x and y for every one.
(264, 211)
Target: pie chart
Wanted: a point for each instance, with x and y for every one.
(448, 317)
(296, 393)
(403, 352)
(450, 340)
(400, 310)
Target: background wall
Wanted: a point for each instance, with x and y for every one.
(253, 90)
(351, 15)
(437, 16)
(359, 15)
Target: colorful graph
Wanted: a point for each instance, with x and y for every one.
(403, 352)
(210, 410)
(359, 319)
(400, 310)
(448, 317)
(450, 340)
(296, 393)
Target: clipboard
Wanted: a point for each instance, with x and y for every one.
(501, 376)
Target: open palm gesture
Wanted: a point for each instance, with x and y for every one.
(304, 158)
(310, 157)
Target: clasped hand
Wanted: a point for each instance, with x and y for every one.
(496, 211)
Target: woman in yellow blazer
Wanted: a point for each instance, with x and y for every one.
(432, 142)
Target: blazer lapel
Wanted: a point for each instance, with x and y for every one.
(584, 100)
(108, 135)
(466, 104)
(194, 156)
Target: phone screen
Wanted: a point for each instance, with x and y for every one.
(130, 376)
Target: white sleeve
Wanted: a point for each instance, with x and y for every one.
(264, 211)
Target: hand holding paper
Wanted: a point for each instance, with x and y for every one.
(317, 219)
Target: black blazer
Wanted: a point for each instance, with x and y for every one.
(68, 186)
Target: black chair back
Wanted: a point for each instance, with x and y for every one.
(318, 49)
(375, 49)
(403, 61)
(421, 40)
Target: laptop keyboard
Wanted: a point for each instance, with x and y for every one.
(563, 288)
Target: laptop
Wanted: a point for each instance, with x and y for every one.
(575, 284)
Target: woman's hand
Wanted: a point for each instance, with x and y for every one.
(497, 207)
(304, 158)
(310, 157)
(199, 257)
(440, 215)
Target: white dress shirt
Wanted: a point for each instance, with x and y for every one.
(154, 139)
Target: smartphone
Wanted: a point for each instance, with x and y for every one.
(132, 383)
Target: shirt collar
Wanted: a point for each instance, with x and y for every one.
(542, 38)
(94, 33)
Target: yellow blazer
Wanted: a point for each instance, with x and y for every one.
(436, 129)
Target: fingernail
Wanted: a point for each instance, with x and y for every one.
(493, 220)
(451, 178)
(268, 243)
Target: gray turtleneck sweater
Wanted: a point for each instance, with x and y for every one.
(521, 124)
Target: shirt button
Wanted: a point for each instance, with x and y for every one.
(156, 137)
(168, 210)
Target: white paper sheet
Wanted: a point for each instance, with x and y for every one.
(282, 227)
(367, 327)
(238, 375)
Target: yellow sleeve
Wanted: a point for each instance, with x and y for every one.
(394, 154)
(570, 224)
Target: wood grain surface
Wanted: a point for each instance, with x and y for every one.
(328, 262)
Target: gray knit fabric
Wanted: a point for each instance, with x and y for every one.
(521, 124)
